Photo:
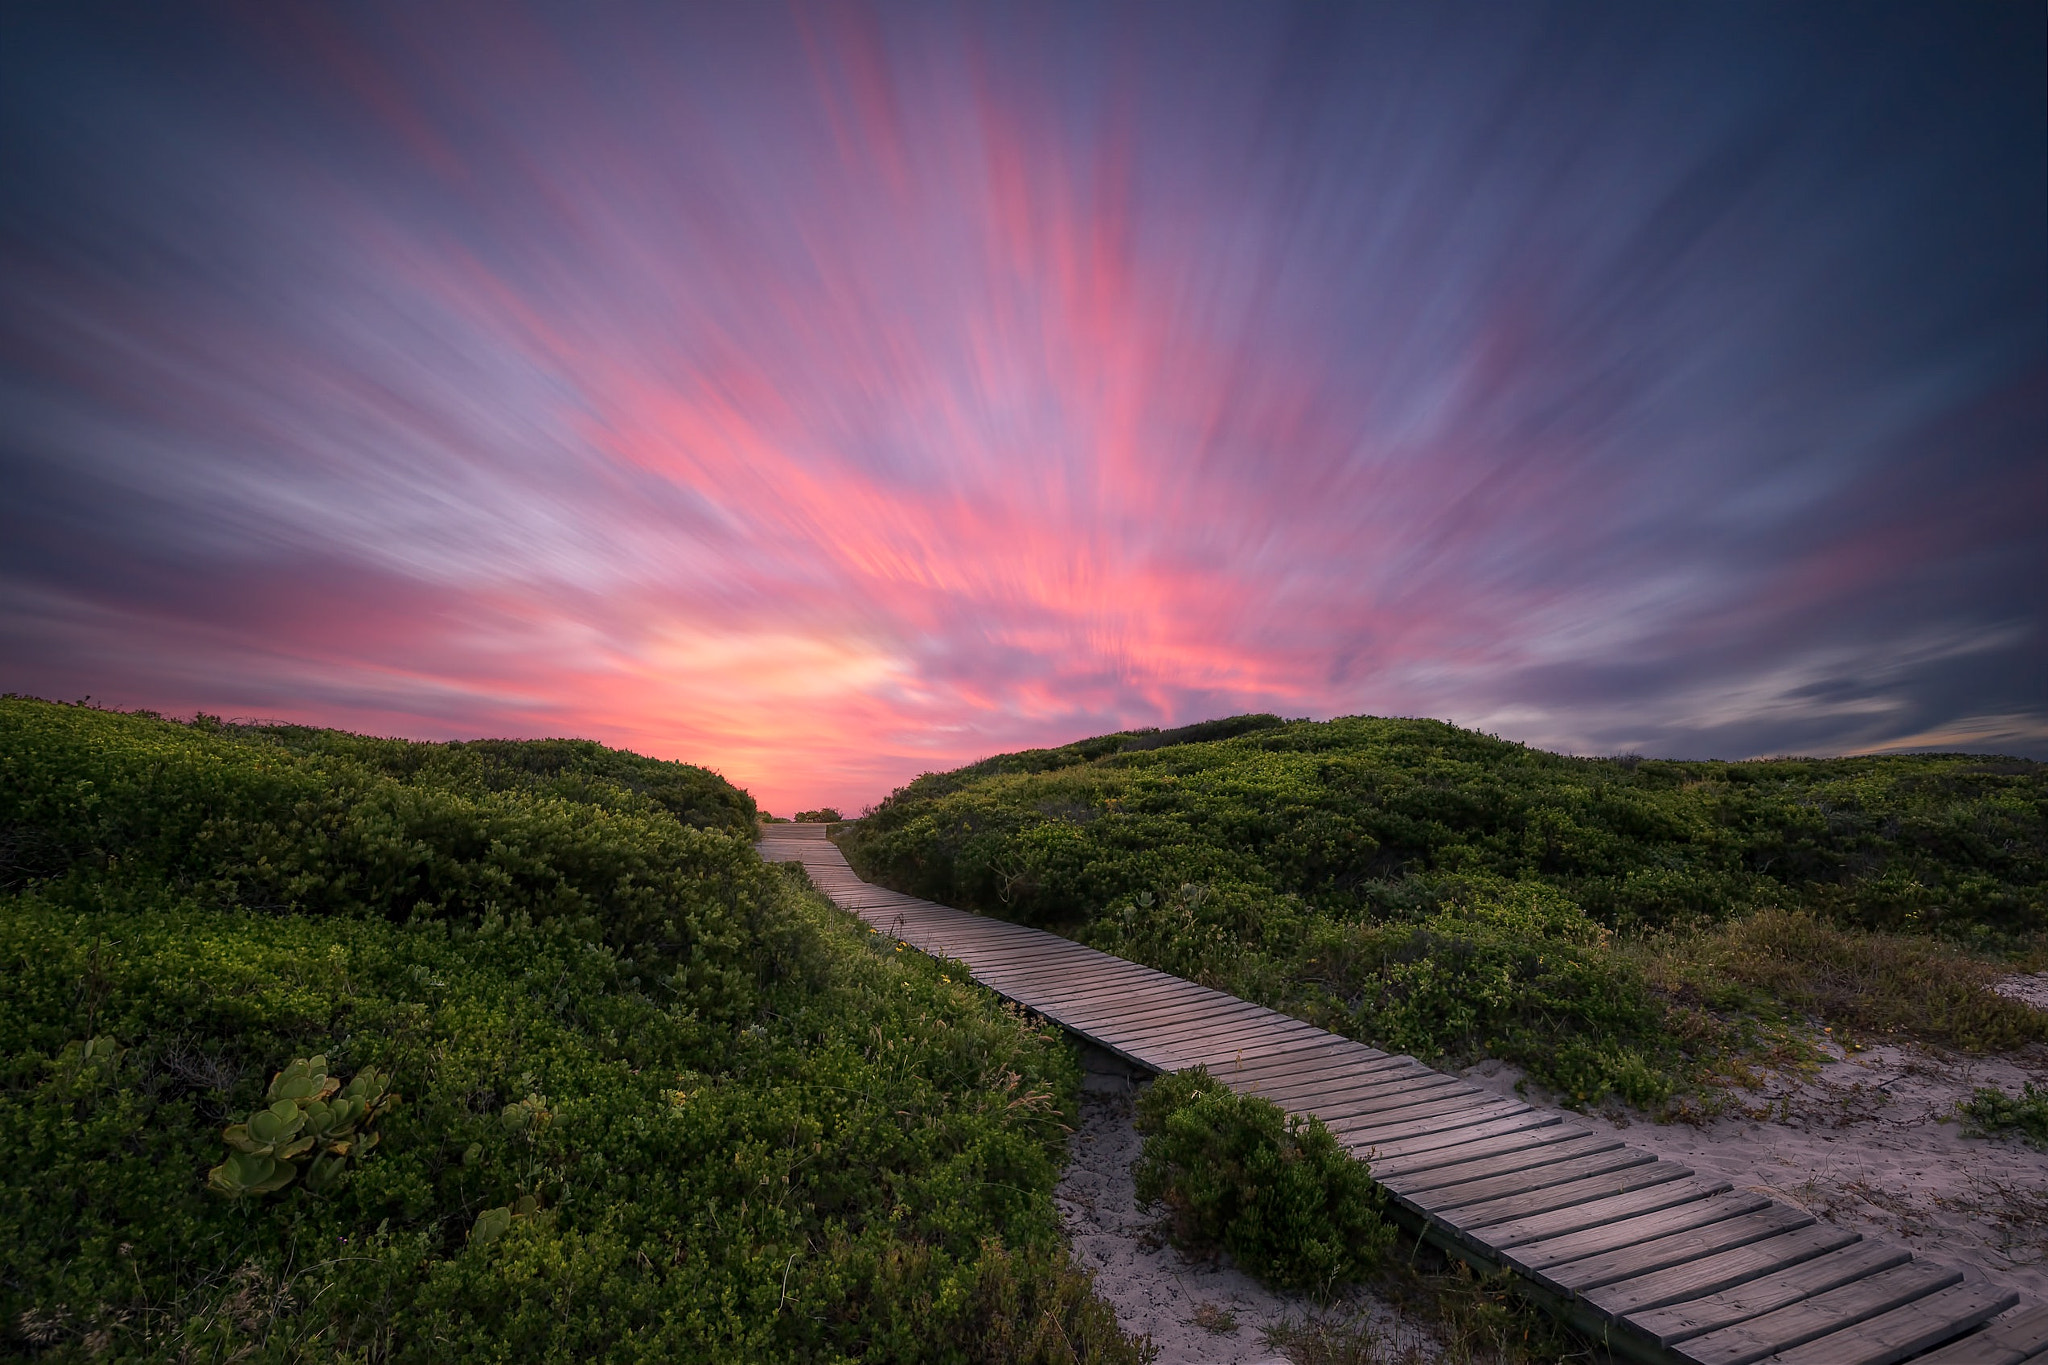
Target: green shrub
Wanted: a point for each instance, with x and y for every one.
(661, 1101)
(1439, 891)
(1276, 1192)
(1991, 1112)
(117, 806)
(1343, 813)
(1514, 972)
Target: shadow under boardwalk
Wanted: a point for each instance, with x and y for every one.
(1636, 1251)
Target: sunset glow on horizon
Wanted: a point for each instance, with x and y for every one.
(831, 394)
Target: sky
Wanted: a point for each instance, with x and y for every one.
(832, 393)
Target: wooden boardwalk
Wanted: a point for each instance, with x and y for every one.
(1639, 1252)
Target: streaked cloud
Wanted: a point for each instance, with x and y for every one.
(831, 394)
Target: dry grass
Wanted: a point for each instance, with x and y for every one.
(1896, 985)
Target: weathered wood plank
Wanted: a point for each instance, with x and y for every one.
(1543, 1182)
(1798, 1323)
(1519, 1158)
(1353, 1068)
(1533, 1258)
(1515, 1123)
(1330, 1074)
(1508, 1144)
(1372, 1130)
(1689, 1246)
(1370, 1108)
(1399, 1119)
(1713, 1272)
(1252, 1035)
(1668, 1194)
(1892, 1337)
(1146, 1003)
(1371, 1104)
(1372, 1076)
(2010, 1341)
(1110, 1020)
(1143, 996)
(1754, 1298)
(1571, 1194)
(1141, 1000)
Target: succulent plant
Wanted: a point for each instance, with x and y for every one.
(492, 1224)
(243, 1175)
(305, 1118)
(273, 1132)
(326, 1171)
(523, 1115)
(305, 1079)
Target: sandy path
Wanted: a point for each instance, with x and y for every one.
(1869, 1143)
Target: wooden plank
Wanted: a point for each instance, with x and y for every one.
(1570, 1194)
(1754, 1298)
(1340, 1052)
(1312, 1071)
(1001, 942)
(1366, 1108)
(1522, 1158)
(1223, 1043)
(1508, 1144)
(1798, 1323)
(1012, 946)
(1368, 1103)
(2012, 1341)
(1354, 1069)
(1382, 1076)
(1373, 1130)
(1137, 990)
(1399, 1121)
(1139, 998)
(1669, 1194)
(1360, 1106)
(1892, 1337)
(1684, 1247)
(1147, 1018)
(1021, 959)
(1714, 1272)
(1132, 1004)
(1078, 984)
(1532, 1258)
(1258, 1036)
(1517, 1122)
(1391, 1091)
(1536, 1180)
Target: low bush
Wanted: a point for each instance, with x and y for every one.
(1992, 1112)
(1276, 1192)
(660, 1101)
(1446, 893)
(1871, 982)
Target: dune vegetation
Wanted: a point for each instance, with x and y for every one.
(324, 1047)
(1619, 927)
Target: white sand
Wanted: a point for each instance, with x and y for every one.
(1871, 1143)
(2028, 990)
